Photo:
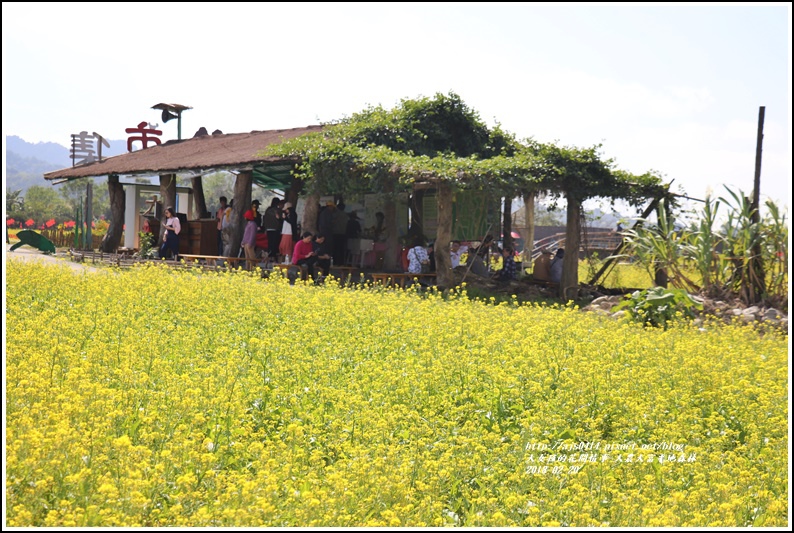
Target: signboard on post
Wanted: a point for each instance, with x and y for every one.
(146, 136)
(83, 151)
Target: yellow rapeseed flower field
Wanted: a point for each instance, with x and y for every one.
(154, 397)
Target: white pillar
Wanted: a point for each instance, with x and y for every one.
(130, 215)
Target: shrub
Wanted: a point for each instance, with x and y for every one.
(659, 306)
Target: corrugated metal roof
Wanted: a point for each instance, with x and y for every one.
(232, 151)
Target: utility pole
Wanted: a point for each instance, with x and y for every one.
(756, 268)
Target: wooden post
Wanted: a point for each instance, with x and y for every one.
(310, 213)
(415, 206)
(391, 256)
(242, 203)
(660, 275)
(569, 285)
(443, 236)
(199, 201)
(507, 222)
(529, 238)
(118, 203)
(89, 215)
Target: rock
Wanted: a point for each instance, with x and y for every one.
(747, 318)
(736, 312)
(600, 299)
(771, 313)
(751, 310)
(619, 314)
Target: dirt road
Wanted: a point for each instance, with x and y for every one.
(28, 254)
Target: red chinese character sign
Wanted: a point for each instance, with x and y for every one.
(146, 136)
(83, 150)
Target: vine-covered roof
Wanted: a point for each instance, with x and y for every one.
(440, 138)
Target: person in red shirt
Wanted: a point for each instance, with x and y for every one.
(303, 254)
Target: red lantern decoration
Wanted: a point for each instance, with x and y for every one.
(29, 222)
(50, 223)
(10, 222)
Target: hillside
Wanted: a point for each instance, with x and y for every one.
(27, 162)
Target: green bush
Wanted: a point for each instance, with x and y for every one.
(658, 306)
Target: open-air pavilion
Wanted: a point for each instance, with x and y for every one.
(359, 155)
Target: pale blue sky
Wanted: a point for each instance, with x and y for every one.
(670, 87)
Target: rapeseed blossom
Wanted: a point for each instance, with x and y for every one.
(154, 397)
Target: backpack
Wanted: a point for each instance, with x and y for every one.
(404, 260)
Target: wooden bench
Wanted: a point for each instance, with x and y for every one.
(211, 260)
(345, 273)
(285, 268)
(398, 278)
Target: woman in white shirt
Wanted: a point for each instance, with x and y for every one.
(171, 237)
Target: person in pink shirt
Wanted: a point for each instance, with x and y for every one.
(303, 254)
(171, 237)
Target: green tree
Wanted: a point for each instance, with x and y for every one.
(74, 191)
(216, 185)
(43, 203)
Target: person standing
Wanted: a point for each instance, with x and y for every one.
(171, 237)
(249, 239)
(325, 221)
(353, 226)
(272, 224)
(288, 229)
(226, 229)
(556, 266)
(258, 217)
(219, 217)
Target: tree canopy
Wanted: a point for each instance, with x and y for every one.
(442, 139)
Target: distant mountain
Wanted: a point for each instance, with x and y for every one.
(27, 162)
(49, 152)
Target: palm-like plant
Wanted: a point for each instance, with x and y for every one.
(14, 201)
(661, 247)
